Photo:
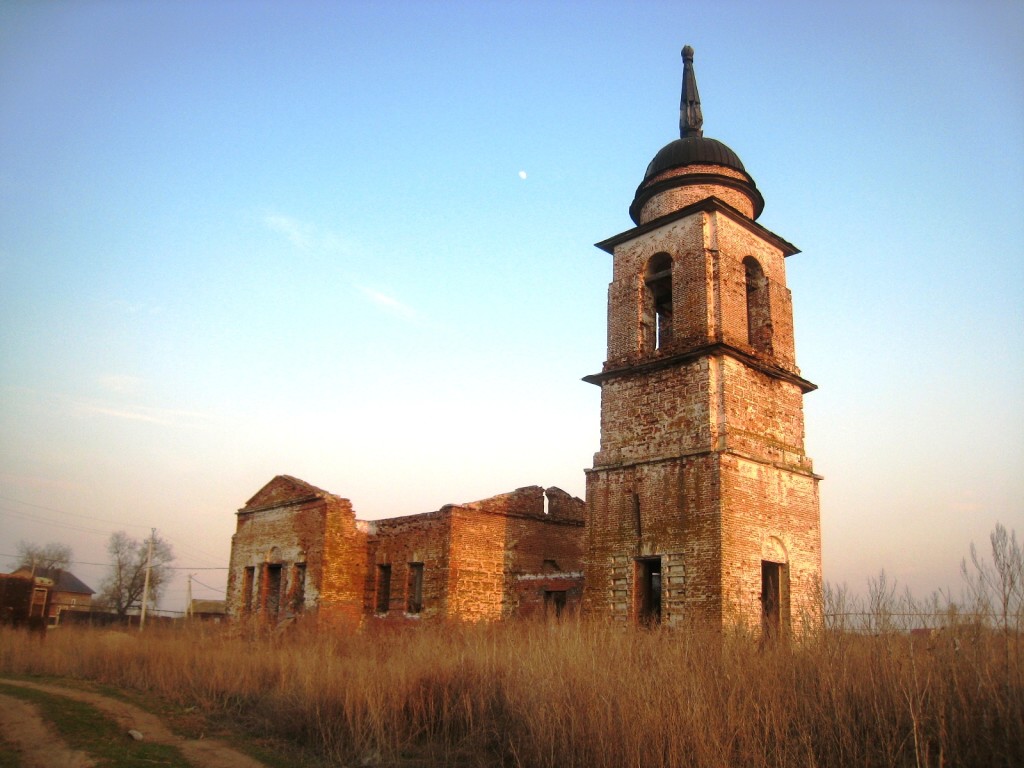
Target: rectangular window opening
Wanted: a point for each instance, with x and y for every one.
(383, 603)
(273, 591)
(554, 602)
(415, 588)
(773, 599)
(648, 575)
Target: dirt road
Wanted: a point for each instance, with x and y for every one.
(38, 744)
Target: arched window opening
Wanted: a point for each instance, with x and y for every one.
(658, 302)
(759, 320)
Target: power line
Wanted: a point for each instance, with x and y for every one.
(196, 568)
(17, 513)
(198, 554)
(167, 567)
(65, 512)
(105, 533)
(70, 562)
(215, 589)
(22, 515)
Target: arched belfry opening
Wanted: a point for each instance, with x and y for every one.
(759, 317)
(657, 310)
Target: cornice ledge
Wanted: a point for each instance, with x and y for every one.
(708, 350)
(708, 204)
(285, 503)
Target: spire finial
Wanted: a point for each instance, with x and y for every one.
(690, 118)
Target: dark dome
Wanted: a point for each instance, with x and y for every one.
(693, 150)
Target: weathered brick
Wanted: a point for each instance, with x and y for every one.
(701, 477)
(701, 484)
(491, 559)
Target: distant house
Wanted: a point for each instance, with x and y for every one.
(208, 610)
(24, 601)
(68, 593)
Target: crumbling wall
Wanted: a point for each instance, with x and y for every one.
(343, 570)
(544, 556)
(512, 551)
(295, 548)
(477, 561)
(299, 548)
(410, 548)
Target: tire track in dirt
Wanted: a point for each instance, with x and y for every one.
(202, 753)
(35, 741)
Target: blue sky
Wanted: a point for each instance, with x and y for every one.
(352, 242)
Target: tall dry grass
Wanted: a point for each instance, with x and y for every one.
(576, 693)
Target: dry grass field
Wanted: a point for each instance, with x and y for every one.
(574, 693)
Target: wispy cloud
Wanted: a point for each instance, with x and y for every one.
(299, 233)
(307, 236)
(163, 416)
(388, 303)
(322, 246)
(51, 403)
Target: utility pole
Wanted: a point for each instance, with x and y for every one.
(145, 586)
(188, 598)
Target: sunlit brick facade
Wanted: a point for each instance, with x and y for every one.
(300, 550)
(702, 506)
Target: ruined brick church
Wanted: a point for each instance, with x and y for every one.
(701, 506)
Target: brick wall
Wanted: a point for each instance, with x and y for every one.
(399, 542)
(732, 243)
(544, 556)
(655, 414)
(669, 509)
(701, 483)
(773, 516)
(507, 551)
(681, 196)
(344, 565)
(298, 547)
(476, 585)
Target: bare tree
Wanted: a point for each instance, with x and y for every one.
(51, 557)
(123, 587)
(998, 587)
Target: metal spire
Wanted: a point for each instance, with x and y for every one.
(690, 118)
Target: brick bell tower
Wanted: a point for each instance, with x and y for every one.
(702, 506)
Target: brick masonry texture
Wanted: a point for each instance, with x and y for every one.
(702, 505)
(299, 549)
(701, 475)
(679, 197)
